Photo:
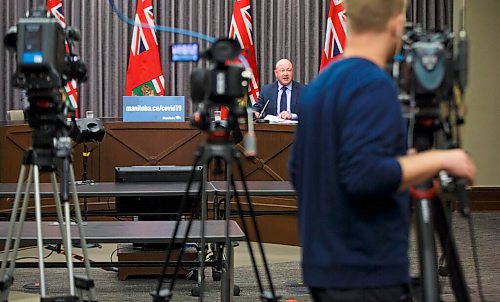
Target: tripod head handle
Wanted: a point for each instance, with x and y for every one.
(462, 197)
(457, 187)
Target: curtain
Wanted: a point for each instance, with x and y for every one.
(293, 29)
(432, 14)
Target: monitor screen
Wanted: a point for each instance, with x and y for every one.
(184, 52)
(165, 206)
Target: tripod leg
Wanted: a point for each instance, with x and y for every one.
(21, 220)
(60, 221)
(458, 283)
(204, 214)
(228, 280)
(89, 284)
(166, 294)
(427, 250)
(13, 218)
(7, 276)
(247, 238)
(57, 200)
(39, 234)
(67, 223)
(269, 296)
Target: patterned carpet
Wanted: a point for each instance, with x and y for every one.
(286, 276)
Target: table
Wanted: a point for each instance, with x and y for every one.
(115, 189)
(131, 232)
(257, 188)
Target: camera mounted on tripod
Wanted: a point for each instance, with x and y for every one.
(432, 75)
(222, 84)
(44, 64)
(44, 60)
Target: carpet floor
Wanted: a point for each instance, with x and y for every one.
(287, 276)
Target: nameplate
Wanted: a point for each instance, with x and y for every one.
(153, 109)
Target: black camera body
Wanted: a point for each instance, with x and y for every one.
(44, 64)
(427, 72)
(41, 53)
(219, 85)
(222, 83)
(429, 63)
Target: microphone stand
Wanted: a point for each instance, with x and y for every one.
(260, 119)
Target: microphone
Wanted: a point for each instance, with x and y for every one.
(463, 57)
(261, 119)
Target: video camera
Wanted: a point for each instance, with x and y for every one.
(43, 61)
(220, 85)
(44, 64)
(427, 73)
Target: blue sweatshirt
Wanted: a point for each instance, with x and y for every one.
(353, 221)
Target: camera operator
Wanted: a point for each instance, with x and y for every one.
(350, 167)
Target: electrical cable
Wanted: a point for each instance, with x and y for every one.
(30, 257)
(169, 29)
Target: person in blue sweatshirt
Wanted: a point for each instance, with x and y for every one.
(350, 167)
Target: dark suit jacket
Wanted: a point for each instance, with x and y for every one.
(270, 92)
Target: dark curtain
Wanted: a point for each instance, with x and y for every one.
(432, 14)
(291, 29)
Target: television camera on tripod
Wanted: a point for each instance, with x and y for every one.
(432, 79)
(221, 85)
(45, 62)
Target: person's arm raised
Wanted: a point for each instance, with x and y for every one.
(421, 166)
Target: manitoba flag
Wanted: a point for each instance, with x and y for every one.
(335, 33)
(241, 30)
(144, 74)
(55, 7)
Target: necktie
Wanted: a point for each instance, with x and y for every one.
(283, 100)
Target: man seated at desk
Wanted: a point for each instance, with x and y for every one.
(282, 96)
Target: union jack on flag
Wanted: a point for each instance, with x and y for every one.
(140, 36)
(55, 7)
(144, 73)
(241, 30)
(335, 33)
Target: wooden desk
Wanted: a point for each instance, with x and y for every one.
(129, 144)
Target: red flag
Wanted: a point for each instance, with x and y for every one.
(335, 33)
(55, 7)
(242, 30)
(144, 74)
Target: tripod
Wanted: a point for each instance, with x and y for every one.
(38, 160)
(431, 215)
(218, 149)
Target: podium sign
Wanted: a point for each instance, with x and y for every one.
(153, 109)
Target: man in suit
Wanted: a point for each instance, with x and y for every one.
(283, 95)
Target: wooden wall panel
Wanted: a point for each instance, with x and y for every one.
(146, 144)
(15, 140)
